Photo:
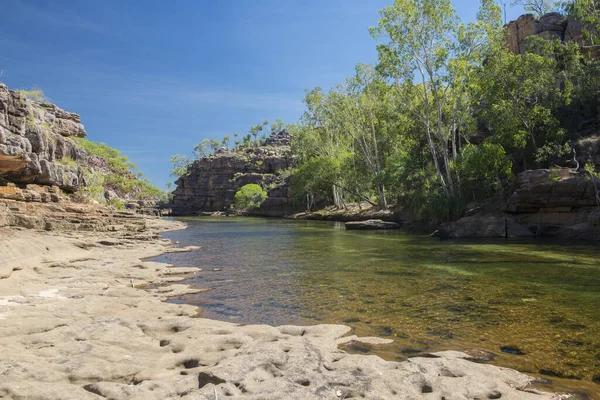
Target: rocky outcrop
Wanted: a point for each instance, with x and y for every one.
(70, 217)
(37, 143)
(557, 197)
(549, 26)
(370, 225)
(557, 202)
(211, 182)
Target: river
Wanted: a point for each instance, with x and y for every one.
(532, 305)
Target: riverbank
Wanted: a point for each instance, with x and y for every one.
(82, 316)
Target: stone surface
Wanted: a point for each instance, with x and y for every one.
(82, 316)
(211, 182)
(371, 224)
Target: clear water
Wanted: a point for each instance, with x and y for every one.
(541, 297)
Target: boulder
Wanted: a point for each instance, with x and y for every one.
(371, 224)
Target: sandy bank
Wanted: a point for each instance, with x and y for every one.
(77, 321)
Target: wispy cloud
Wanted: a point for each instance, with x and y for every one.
(66, 18)
(174, 95)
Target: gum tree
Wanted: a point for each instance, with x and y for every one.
(427, 58)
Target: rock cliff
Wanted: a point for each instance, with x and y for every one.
(543, 203)
(550, 26)
(37, 143)
(211, 182)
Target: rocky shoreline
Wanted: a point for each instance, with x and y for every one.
(83, 316)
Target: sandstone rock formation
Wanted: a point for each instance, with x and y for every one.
(543, 202)
(211, 182)
(43, 160)
(36, 143)
(549, 26)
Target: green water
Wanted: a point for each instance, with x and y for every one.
(539, 296)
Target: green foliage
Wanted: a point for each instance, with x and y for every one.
(94, 188)
(68, 162)
(588, 12)
(35, 94)
(249, 197)
(118, 163)
(205, 148)
(122, 178)
(522, 94)
(180, 164)
(482, 169)
(116, 203)
(140, 189)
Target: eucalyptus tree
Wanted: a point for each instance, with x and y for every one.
(180, 164)
(206, 147)
(362, 109)
(321, 149)
(427, 59)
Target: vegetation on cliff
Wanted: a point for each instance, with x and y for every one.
(122, 177)
(447, 116)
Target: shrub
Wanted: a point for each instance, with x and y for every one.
(35, 94)
(117, 162)
(94, 187)
(482, 169)
(116, 203)
(249, 197)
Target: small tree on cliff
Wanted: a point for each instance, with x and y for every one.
(179, 164)
(206, 147)
(538, 7)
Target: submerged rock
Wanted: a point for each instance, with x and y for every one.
(372, 224)
(512, 350)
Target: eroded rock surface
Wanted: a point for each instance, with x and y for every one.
(83, 317)
(40, 135)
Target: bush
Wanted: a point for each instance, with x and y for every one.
(116, 203)
(35, 94)
(249, 197)
(117, 162)
(94, 188)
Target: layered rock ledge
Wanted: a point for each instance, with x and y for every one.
(82, 316)
(211, 182)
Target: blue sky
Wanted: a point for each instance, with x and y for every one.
(153, 77)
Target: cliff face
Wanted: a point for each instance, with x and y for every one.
(37, 143)
(550, 26)
(211, 182)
